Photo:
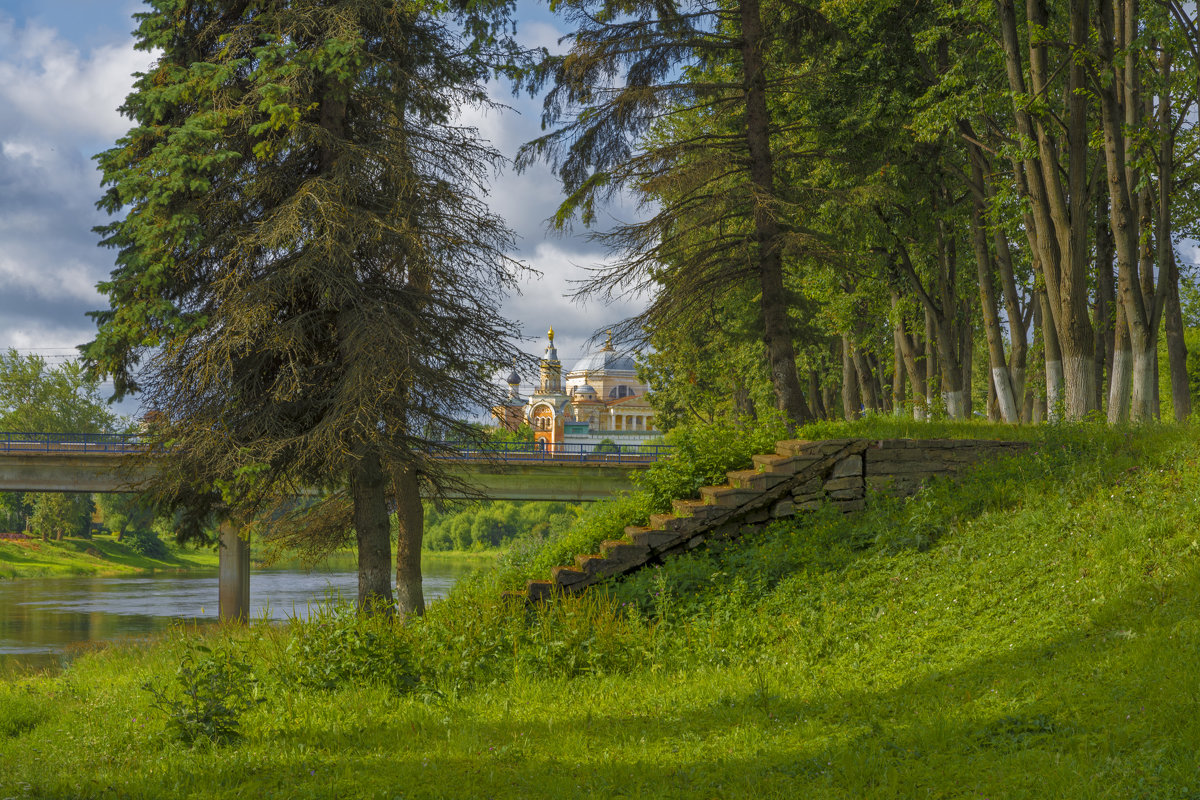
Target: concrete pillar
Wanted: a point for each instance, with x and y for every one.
(233, 575)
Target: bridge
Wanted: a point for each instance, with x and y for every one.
(99, 462)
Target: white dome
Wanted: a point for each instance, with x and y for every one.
(604, 361)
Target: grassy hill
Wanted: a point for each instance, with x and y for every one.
(1031, 632)
(101, 554)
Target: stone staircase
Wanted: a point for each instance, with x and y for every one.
(798, 477)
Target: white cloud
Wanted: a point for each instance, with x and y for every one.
(53, 90)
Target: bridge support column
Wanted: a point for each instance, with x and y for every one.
(233, 575)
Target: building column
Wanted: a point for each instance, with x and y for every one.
(233, 575)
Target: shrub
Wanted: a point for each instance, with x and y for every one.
(337, 647)
(215, 687)
(145, 542)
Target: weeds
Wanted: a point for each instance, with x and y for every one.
(213, 689)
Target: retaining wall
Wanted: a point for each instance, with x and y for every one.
(798, 477)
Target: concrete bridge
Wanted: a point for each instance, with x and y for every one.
(66, 462)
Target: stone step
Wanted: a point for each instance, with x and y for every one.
(675, 524)
(792, 447)
(627, 552)
(596, 566)
(775, 463)
(697, 509)
(802, 447)
(754, 480)
(568, 577)
(726, 496)
(655, 540)
(538, 591)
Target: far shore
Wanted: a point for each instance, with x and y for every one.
(24, 556)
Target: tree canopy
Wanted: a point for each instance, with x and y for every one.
(307, 274)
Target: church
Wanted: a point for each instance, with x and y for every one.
(600, 399)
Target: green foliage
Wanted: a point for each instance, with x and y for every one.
(705, 452)
(38, 398)
(59, 514)
(213, 688)
(146, 542)
(1191, 338)
(523, 433)
(489, 525)
(337, 648)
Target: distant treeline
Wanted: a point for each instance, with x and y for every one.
(479, 526)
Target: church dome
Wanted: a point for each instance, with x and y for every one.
(585, 392)
(604, 360)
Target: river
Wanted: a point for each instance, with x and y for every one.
(45, 621)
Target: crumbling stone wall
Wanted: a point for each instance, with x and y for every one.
(798, 477)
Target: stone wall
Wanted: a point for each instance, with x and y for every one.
(798, 477)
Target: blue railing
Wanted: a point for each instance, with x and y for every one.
(526, 452)
(71, 442)
(504, 452)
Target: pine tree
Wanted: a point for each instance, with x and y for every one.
(307, 276)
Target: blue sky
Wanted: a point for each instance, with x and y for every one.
(65, 67)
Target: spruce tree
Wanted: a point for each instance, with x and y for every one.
(307, 275)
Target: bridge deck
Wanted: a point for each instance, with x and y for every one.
(37, 462)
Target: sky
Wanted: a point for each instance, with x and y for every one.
(65, 68)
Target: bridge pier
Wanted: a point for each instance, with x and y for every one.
(233, 575)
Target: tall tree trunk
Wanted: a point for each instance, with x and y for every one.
(1181, 398)
(1001, 380)
(1054, 362)
(898, 387)
(1057, 236)
(777, 332)
(815, 401)
(410, 519)
(967, 357)
(1017, 335)
(1105, 298)
(368, 488)
(1121, 380)
(1129, 211)
(850, 399)
(866, 379)
(933, 378)
(879, 377)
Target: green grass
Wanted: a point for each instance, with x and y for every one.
(33, 558)
(1032, 633)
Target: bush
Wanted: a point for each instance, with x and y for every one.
(337, 647)
(146, 543)
(214, 689)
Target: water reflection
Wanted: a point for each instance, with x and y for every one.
(43, 619)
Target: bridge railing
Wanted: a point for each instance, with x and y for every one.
(503, 452)
(24, 442)
(537, 452)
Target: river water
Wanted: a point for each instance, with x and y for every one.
(45, 621)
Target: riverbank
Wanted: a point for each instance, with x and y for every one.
(99, 555)
(103, 555)
(1030, 632)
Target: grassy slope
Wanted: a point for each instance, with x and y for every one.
(1034, 633)
(33, 558)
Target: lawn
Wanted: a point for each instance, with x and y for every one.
(1031, 632)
